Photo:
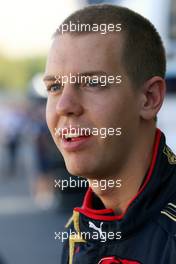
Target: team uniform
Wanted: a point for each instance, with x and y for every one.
(144, 234)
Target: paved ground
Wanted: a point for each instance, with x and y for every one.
(29, 238)
(27, 232)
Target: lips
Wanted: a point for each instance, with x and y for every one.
(73, 138)
(72, 133)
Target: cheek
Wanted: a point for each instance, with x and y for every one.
(115, 115)
(108, 115)
(50, 116)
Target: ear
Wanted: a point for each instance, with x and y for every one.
(152, 96)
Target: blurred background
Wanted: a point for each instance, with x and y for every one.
(31, 208)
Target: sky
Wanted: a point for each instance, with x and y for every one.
(26, 26)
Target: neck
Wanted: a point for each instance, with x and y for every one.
(131, 175)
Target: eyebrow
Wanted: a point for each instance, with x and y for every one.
(49, 78)
(90, 73)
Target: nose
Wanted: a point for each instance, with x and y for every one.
(69, 102)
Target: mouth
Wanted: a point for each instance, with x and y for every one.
(73, 134)
(73, 139)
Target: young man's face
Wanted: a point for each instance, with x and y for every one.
(92, 106)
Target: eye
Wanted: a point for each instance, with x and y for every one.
(95, 84)
(53, 88)
(92, 83)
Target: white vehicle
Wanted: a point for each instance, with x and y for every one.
(162, 14)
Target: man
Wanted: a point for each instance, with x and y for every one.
(131, 222)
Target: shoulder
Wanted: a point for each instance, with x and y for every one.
(167, 217)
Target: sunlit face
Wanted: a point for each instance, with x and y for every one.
(91, 106)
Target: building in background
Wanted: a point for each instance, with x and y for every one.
(90, 2)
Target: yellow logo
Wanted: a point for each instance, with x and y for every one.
(170, 155)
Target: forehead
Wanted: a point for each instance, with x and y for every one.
(71, 52)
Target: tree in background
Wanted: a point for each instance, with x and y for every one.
(16, 73)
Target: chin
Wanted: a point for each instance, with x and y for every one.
(76, 170)
(74, 162)
(79, 168)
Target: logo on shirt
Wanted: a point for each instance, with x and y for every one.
(114, 260)
(98, 229)
(170, 155)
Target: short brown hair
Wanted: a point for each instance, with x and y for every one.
(143, 53)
